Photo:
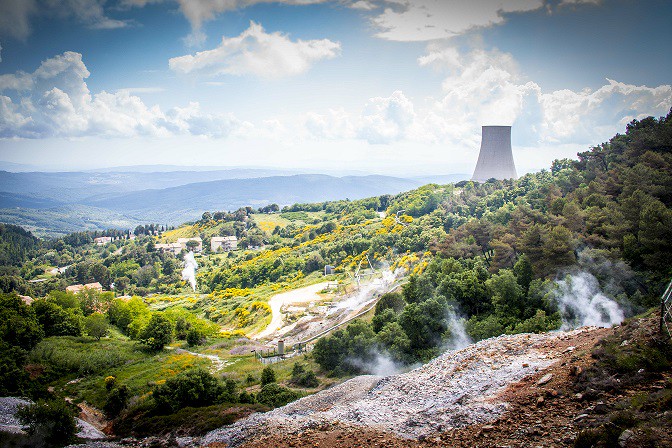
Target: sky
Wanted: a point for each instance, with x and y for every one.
(398, 87)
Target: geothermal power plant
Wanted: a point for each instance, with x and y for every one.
(496, 158)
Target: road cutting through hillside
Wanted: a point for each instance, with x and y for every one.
(301, 295)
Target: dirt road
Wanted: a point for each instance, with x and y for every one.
(301, 295)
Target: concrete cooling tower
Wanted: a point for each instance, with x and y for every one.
(496, 158)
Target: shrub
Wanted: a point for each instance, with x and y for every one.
(52, 420)
(110, 382)
(302, 377)
(274, 395)
(157, 333)
(56, 321)
(195, 337)
(116, 401)
(267, 376)
(195, 388)
(18, 324)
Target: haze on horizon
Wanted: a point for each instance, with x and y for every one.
(398, 87)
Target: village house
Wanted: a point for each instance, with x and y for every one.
(175, 248)
(75, 289)
(223, 243)
(102, 240)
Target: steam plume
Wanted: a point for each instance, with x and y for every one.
(582, 302)
(189, 271)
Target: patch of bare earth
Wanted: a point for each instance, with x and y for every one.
(548, 406)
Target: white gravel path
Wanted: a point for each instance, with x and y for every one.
(301, 295)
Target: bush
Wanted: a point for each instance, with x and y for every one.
(391, 300)
(193, 388)
(267, 376)
(302, 377)
(195, 337)
(274, 395)
(116, 401)
(56, 321)
(52, 420)
(157, 333)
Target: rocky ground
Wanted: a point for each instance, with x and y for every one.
(526, 390)
(457, 390)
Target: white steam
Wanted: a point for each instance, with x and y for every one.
(378, 363)
(582, 302)
(367, 293)
(458, 333)
(189, 271)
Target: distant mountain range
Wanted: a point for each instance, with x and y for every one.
(62, 202)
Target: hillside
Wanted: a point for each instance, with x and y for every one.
(48, 202)
(181, 203)
(179, 344)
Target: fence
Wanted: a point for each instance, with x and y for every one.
(666, 311)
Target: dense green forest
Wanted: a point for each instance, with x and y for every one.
(477, 260)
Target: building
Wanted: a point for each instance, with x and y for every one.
(26, 299)
(102, 240)
(183, 243)
(223, 243)
(175, 248)
(495, 160)
(75, 289)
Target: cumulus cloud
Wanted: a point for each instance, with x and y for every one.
(256, 52)
(55, 101)
(385, 120)
(485, 87)
(15, 15)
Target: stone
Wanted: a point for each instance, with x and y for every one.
(545, 379)
(625, 437)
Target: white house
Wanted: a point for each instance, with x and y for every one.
(175, 248)
(102, 240)
(223, 243)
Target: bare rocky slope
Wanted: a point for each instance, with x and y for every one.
(456, 390)
(554, 389)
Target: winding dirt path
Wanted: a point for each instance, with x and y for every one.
(301, 295)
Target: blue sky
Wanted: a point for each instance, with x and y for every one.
(387, 86)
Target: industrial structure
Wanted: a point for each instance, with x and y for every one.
(495, 159)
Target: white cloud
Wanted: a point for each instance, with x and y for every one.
(55, 101)
(335, 124)
(385, 120)
(485, 87)
(579, 2)
(15, 15)
(256, 52)
(424, 20)
(364, 5)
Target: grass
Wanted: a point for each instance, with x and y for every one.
(187, 421)
(268, 222)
